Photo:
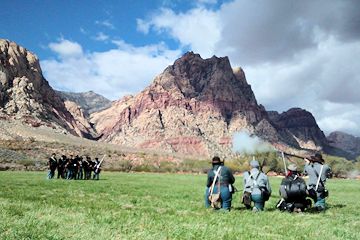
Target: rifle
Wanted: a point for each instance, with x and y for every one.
(283, 158)
(296, 156)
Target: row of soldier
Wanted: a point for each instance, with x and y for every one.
(74, 167)
(295, 193)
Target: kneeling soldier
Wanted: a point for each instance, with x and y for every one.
(256, 187)
(293, 192)
(219, 183)
(318, 172)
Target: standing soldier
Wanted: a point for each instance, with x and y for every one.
(318, 172)
(70, 167)
(76, 166)
(219, 181)
(256, 187)
(97, 169)
(293, 192)
(52, 163)
(60, 167)
(66, 164)
(80, 168)
(91, 167)
(86, 167)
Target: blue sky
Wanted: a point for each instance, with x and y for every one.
(294, 53)
(34, 24)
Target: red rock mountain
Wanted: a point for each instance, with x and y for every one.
(25, 94)
(195, 106)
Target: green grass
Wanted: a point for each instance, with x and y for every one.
(158, 206)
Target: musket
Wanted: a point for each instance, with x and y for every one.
(283, 158)
(296, 156)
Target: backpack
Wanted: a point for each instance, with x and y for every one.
(265, 193)
(215, 198)
(295, 189)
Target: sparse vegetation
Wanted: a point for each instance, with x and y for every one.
(33, 155)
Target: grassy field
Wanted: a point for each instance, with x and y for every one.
(158, 206)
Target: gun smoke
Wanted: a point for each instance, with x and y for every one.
(243, 142)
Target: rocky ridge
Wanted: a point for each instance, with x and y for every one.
(345, 142)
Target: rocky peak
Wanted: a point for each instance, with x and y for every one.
(293, 118)
(298, 127)
(210, 79)
(193, 106)
(345, 141)
(24, 92)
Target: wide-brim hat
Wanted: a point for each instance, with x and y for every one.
(317, 158)
(292, 167)
(215, 160)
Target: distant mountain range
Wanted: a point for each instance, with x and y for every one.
(346, 142)
(90, 102)
(193, 107)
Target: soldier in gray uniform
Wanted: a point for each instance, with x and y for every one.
(318, 172)
(256, 187)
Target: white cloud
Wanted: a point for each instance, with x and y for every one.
(123, 70)
(202, 3)
(105, 23)
(100, 36)
(65, 48)
(197, 29)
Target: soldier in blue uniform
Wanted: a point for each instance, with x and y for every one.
(52, 163)
(224, 181)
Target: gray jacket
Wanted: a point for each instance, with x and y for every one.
(313, 169)
(255, 180)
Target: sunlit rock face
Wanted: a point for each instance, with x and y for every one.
(25, 93)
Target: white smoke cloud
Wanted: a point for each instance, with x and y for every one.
(353, 174)
(243, 142)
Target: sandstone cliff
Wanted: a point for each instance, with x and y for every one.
(26, 95)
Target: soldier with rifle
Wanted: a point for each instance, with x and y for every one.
(86, 167)
(61, 166)
(97, 168)
(293, 192)
(318, 172)
(70, 167)
(80, 172)
(52, 163)
(256, 187)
